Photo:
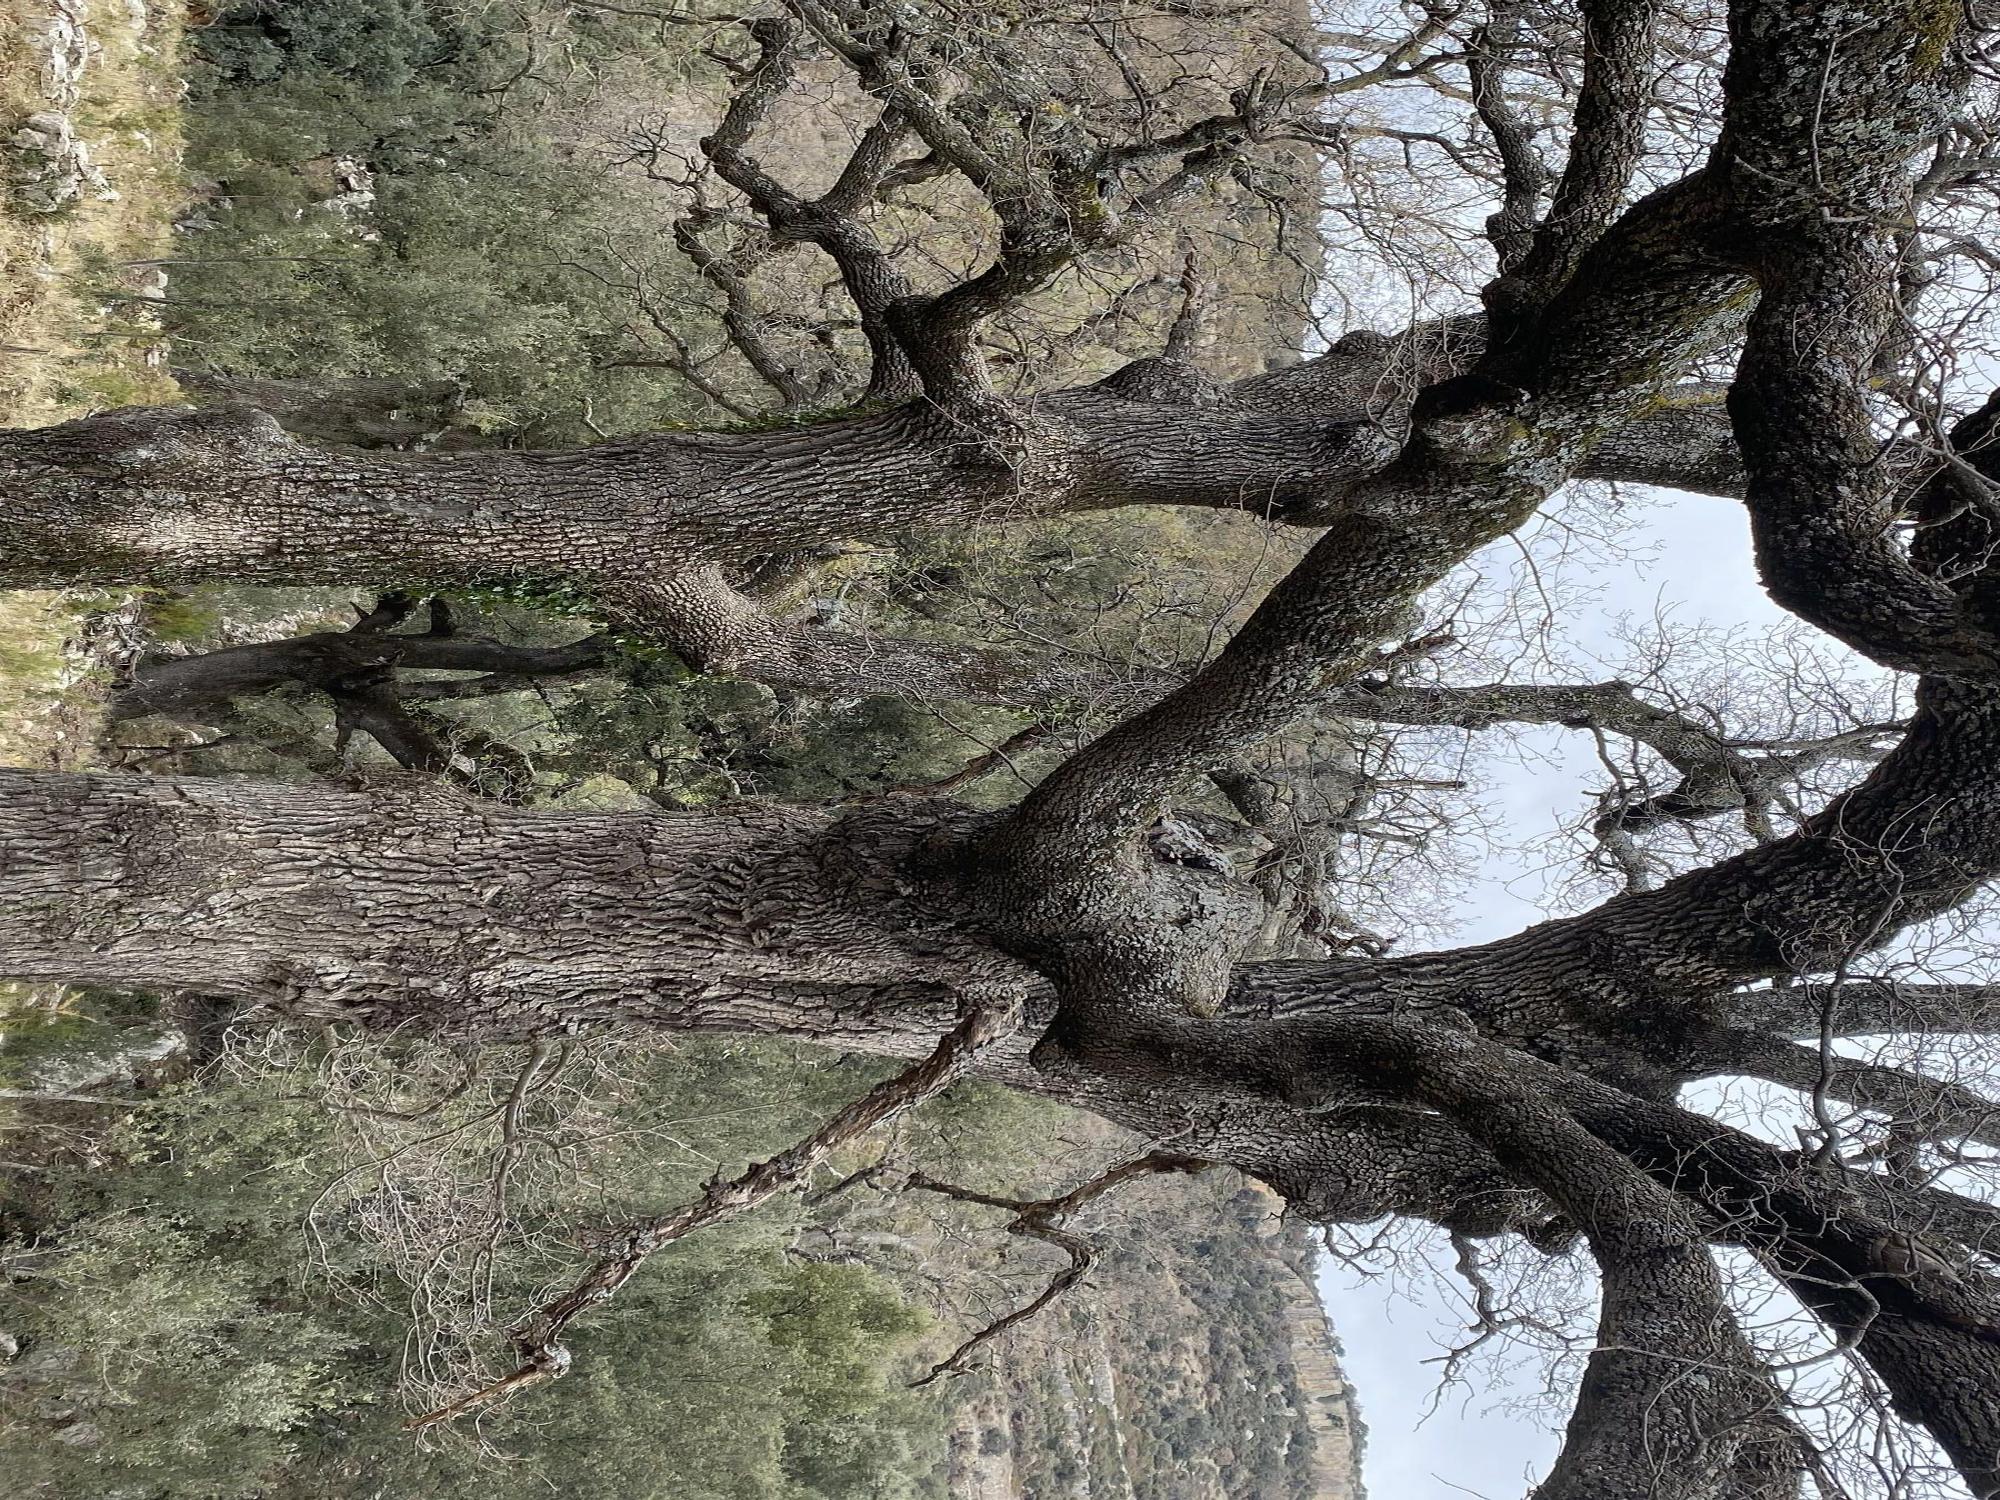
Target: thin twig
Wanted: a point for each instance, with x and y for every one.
(537, 1337)
(1040, 1219)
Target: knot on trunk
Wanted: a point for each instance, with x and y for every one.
(1164, 382)
(172, 438)
(1469, 417)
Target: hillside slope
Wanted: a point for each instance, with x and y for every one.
(1196, 1364)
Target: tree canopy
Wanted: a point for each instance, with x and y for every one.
(1125, 390)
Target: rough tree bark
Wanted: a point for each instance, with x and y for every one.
(1526, 1085)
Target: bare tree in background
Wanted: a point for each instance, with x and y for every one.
(1738, 254)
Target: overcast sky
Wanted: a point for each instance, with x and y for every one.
(1689, 557)
(1691, 553)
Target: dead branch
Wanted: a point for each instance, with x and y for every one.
(1041, 1219)
(537, 1337)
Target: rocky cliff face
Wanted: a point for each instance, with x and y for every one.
(1332, 1413)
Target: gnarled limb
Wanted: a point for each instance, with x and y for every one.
(1523, 173)
(1920, 1107)
(1809, 219)
(358, 671)
(182, 686)
(831, 221)
(1607, 140)
(1672, 1393)
(1930, 1330)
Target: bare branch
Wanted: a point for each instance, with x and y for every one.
(1920, 1108)
(537, 1339)
(1522, 170)
(1041, 1219)
(1606, 144)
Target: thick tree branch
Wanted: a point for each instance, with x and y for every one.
(1671, 1392)
(1920, 1107)
(1931, 1330)
(1607, 142)
(1810, 220)
(170, 496)
(182, 686)
(1913, 840)
(1523, 174)
(1867, 1007)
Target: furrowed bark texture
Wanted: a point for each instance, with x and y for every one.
(1523, 1085)
(404, 904)
(172, 496)
(411, 903)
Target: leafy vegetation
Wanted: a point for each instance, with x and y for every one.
(211, 1306)
(743, 1373)
(394, 192)
(77, 287)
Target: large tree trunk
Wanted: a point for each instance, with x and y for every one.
(403, 904)
(169, 496)
(408, 903)
(1528, 1083)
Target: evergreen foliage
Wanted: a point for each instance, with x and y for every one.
(492, 251)
(179, 1347)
